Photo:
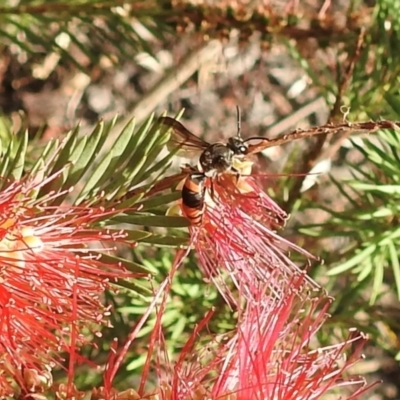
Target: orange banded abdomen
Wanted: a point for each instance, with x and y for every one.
(193, 192)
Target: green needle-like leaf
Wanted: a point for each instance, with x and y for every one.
(84, 154)
(152, 220)
(107, 167)
(18, 165)
(356, 260)
(394, 259)
(378, 278)
(129, 265)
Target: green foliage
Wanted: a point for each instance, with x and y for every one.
(39, 28)
(370, 223)
(376, 72)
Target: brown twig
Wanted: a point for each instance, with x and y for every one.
(341, 127)
(310, 157)
(344, 83)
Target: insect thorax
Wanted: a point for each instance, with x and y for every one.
(217, 158)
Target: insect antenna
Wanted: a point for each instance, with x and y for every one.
(239, 122)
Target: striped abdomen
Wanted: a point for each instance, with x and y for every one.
(193, 198)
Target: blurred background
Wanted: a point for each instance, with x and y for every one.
(287, 65)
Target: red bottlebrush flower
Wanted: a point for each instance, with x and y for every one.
(237, 235)
(274, 354)
(51, 280)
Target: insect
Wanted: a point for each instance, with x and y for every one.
(219, 158)
(215, 159)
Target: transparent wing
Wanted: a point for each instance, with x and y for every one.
(181, 138)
